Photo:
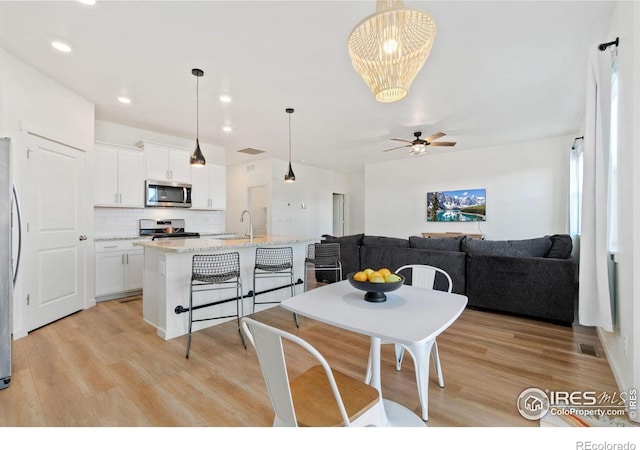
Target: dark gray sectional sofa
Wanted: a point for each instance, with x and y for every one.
(530, 277)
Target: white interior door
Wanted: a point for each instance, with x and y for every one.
(55, 242)
(338, 215)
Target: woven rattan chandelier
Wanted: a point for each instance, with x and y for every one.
(389, 48)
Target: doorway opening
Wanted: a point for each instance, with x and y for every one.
(338, 215)
(259, 208)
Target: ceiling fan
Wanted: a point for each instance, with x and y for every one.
(419, 146)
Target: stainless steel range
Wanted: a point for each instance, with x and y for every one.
(163, 229)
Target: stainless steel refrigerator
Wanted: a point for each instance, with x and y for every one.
(8, 264)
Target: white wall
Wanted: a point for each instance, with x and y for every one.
(33, 98)
(355, 204)
(623, 345)
(2, 105)
(126, 135)
(526, 183)
(34, 101)
(302, 208)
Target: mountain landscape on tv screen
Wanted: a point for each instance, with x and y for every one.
(456, 206)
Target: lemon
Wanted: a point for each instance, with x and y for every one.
(374, 274)
(376, 278)
(392, 278)
(360, 276)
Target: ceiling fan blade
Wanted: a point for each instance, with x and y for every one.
(401, 140)
(396, 148)
(442, 144)
(435, 136)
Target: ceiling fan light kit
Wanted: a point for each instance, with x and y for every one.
(419, 146)
(389, 47)
(197, 157)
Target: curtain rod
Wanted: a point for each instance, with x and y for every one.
(573, 147)
(606, 45)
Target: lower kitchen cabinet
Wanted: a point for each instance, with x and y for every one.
(118, 269)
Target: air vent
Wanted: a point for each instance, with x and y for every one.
(251, 151)
(588, 349)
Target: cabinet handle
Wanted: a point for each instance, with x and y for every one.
(116, 198)
(171, 174)
(127, 258)
(123, 258)
(168, 175)
(120, 199)
(111, 246)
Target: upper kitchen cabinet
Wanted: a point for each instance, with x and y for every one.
(118, 176)
(209, 186)
(166, 163)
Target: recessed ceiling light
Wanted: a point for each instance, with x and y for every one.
(224, 98)
(124, 100)
(88, 2)
(227, 129)
(61, 46)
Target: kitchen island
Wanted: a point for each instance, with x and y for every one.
(167, 275)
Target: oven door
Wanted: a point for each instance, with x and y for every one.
(167, 194)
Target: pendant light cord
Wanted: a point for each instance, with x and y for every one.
(197, 108)
(289, 138)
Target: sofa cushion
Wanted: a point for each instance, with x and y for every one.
(447, 244)
(537, 247)
(561, 246)
(454, 263)
(383, 241)
(354, 239)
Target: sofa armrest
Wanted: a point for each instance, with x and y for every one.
(538, 287)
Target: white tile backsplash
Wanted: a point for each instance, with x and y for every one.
(114, 222)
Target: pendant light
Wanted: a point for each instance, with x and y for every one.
(197, 158)
(389, 48)
(290, 177)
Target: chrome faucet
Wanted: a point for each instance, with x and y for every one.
(246, 211)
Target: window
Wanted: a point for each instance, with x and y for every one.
(576, 165)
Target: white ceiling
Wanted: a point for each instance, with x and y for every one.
(499, 71)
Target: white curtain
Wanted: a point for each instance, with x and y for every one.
(595, 307)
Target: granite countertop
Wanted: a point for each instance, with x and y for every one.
(207, 243)
(146, 238)
(121, 238)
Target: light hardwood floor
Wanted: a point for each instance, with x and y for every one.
(106, 367)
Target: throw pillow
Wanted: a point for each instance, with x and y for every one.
(354, 239)
(561, 246)
(447, 244)
(383, 241)
(537, 247)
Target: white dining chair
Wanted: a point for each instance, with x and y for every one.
(423, 276)
(320, 397)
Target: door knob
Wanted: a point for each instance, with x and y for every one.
(83, 238)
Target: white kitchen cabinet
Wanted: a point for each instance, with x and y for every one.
(166, 163)
(118, 176)
(118, 269)
(209, 187)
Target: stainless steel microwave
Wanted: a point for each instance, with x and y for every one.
(167, 194)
